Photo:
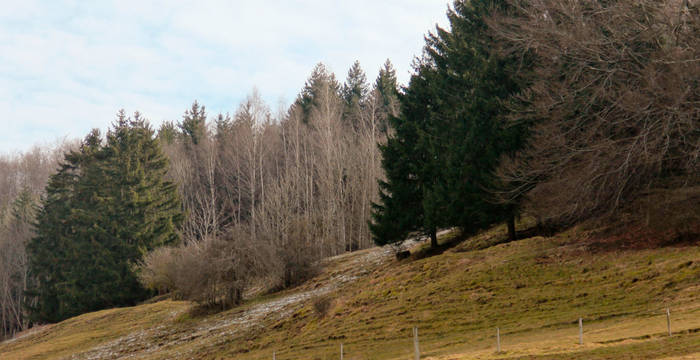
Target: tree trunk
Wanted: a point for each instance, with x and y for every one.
(512, 236)
(433, 238)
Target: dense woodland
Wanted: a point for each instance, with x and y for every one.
(561, 110)
(261, 197)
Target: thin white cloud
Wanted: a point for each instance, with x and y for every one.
(68, 66)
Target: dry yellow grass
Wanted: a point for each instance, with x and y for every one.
(533, 289)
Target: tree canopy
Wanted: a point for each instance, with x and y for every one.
(450, 134)
(108, 204)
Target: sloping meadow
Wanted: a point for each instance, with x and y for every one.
(534, 290)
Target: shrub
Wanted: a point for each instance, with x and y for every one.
(322, 304)
(298, 257)
(211, 272)
(158, 269)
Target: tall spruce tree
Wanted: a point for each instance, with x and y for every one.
(193, 124)
(53, 250)
(319, 79)
(388, 87)
(407, 165)
(107, 206)
(470, 131)
(354, 92)
(455, 104)
(168, 133)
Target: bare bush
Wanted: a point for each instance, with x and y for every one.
(613, 97)
(298, 255)
(322, 305)
(211, 272)
(158, 270)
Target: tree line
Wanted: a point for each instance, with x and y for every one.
(267, 196)
(564, 111)
(203, 207)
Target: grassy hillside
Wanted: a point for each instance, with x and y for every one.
(534, 290)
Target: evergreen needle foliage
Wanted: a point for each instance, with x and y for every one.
(108, 204)
(451, 133)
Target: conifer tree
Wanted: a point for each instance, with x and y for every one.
(388, 87)
(107, 206)
(143, 195)
(319, 79)
(167, 133)
(455, 104)
(52, 251)
(469, 133)
(354, 92)
(355, 88)
(407, 190)
(193, 125)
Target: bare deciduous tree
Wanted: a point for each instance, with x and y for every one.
(613, 97)
(300, 185)
(22, 180)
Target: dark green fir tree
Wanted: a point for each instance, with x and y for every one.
(107, 206)
(470, 130)
(388, 87)
(319, 79)
(193, 126)
(354, 92)
(455, 105)
(406, 161)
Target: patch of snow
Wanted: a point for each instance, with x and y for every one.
(148, 341)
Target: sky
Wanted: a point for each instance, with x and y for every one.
(68, 66)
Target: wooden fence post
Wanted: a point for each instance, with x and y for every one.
(668, 320)
(580, 331)
(498, 340)
(341, 351)
(415, 343)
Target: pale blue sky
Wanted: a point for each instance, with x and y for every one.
(68, 66)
